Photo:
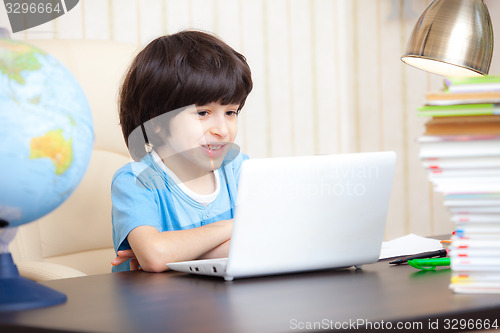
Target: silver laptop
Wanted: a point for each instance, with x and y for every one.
(297, 214)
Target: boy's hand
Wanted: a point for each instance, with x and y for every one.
(123, 256)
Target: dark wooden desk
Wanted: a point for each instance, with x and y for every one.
(175, 302)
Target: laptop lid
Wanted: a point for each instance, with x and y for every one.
(305, 213)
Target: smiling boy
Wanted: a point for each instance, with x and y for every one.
(181, 97)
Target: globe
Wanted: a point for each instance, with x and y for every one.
(46, 133)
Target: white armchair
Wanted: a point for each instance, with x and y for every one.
(75, 239)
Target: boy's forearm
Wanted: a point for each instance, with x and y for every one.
(221, 251)
(154, 249)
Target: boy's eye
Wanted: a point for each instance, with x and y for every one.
(232, 113)
(202, 113)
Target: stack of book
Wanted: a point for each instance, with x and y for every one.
(461, 151)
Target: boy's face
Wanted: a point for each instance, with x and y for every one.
(199, 137)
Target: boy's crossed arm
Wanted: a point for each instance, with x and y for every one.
(152, 249)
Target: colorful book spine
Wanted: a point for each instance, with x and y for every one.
(473, 84)
(459, 110)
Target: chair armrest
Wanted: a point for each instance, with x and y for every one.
(43, 271)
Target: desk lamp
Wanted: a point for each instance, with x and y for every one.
(452, 38)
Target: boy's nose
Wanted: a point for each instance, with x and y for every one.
(219, 127)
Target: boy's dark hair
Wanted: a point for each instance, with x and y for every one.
(175, 71)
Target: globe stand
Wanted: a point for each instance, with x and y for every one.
(17, 292)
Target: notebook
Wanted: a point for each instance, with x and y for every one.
(296, 214)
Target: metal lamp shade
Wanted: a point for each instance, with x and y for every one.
(452, 38)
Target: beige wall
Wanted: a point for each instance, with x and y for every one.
(327, 75)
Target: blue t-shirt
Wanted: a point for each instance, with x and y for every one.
(143, 194)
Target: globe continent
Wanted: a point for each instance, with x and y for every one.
(46, 133)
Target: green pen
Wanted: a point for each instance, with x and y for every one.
(429, 264)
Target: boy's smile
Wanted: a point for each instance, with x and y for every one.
(214, 150)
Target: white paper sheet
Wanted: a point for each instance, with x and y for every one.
(407, 245)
